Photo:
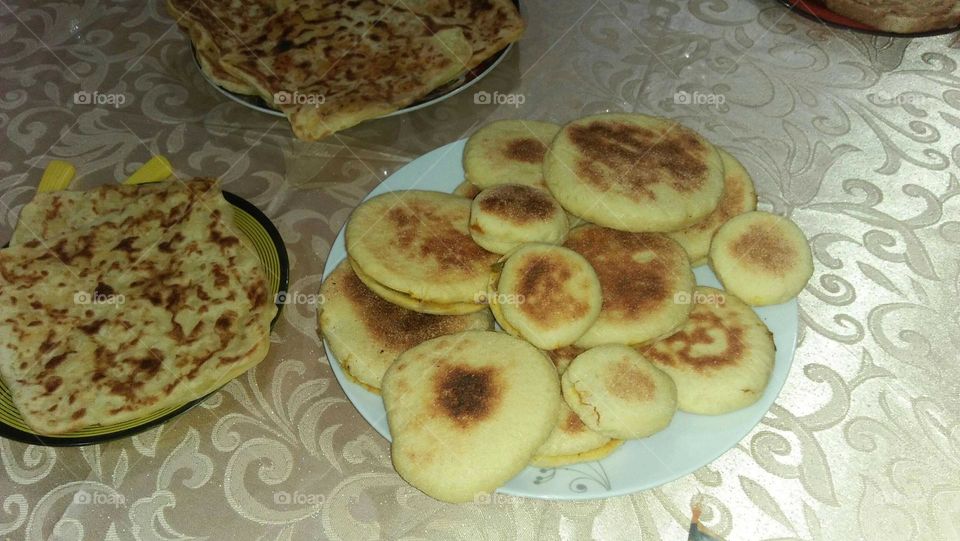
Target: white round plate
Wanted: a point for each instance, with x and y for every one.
(446, 91)
(690, 442)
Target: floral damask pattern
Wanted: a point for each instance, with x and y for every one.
(855, 137)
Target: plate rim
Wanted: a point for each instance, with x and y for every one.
(15, 434)
(431, 160)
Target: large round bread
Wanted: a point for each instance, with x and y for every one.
(617, 392)
(508, 152)
(467, 412)
(721, 359)
(761, 258)
(367, 333)
(545, 294)
(634, 172)
(642, 275)
(508, 215)
(738, 197)
(417, 243)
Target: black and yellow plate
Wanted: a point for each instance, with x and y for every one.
(266, 241)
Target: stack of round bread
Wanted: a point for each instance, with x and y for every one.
(578, 242)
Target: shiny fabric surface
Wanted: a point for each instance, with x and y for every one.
(855, 137)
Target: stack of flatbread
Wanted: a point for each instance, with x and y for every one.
(612, 302)
(329, 65)
(124, 300)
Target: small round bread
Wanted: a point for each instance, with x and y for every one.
(508, 152)
(508, 215)
(641, 275)
(467, 412)
(572, 442)
(617, 392)
(366, 333)
(545, 294)
(466, 189)
(417, 243)
(761, 258)
(634, 172)
(406, 301)
(721, 359)
(738, 197)
(562, 357)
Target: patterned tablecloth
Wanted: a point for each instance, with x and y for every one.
(855, 137)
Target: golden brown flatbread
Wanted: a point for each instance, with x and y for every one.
(139, 310)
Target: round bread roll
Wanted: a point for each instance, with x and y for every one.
(634, 172)
(466, 189)
(562, 357)
(467, 411)
(366, 333)
(545, 294)
(508, 152)
(738, 197)
(641, 275)
(406, 301)
(417, 244)
(508, 215)
(761, 258)
(617, 392)
(721, 359)
(572, 442)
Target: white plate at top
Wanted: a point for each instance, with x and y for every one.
(689, 443)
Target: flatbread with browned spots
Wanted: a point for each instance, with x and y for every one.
(645, 278)
(508, 152)
(738, 197)
(619, 393)
(51, 214)
(330, 65)
(508, 215)
(721, 359)
(417, 243)
(545, 294)
(139, 306)
(761, 258)
(367, 333)
(634, 172)
(467, 412)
